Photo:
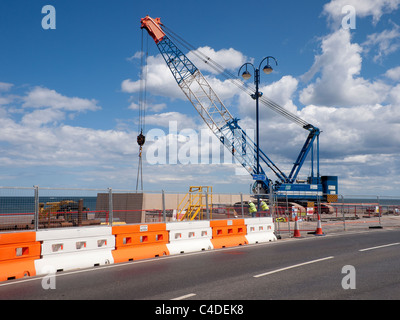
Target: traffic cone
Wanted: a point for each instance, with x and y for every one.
(296, 233)
(318, 231)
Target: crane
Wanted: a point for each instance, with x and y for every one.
(227, 129)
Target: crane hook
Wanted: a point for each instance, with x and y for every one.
(141, 139)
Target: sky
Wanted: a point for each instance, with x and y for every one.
(70, 94)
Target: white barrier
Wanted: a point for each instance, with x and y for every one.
(74, 248)
(260, 230)
(189, 236)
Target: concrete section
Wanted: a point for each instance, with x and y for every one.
(127, 207)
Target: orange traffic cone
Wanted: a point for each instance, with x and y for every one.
(318, 231)
(296, 233)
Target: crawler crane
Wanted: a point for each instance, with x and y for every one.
(232, 136)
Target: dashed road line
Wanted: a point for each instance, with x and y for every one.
(185, 296)
(291, 267)
(379, 247)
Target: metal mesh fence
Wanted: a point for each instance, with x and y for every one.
(69, 208)
(39, 208)
(17, 208)
(349, 213)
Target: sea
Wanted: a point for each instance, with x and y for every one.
(24, 205)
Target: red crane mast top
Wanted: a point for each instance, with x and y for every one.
(153, 26)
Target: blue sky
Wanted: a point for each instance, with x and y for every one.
(68, 97)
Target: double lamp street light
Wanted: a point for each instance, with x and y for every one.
(246, 75)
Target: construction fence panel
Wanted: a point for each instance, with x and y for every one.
(124, 206)
(60, 208)
(349, 213)
(17, 208)
(40, 208)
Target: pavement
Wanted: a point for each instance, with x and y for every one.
(331, 224)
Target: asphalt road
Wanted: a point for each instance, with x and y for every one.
(308, 268)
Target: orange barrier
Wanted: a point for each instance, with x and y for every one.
(18, 251)
(228, 233)
(136, 242)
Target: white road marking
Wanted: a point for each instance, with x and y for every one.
(291, 267)
(185, 296)
(378, 247)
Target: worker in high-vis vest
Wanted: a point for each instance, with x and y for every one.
(252, 208)
(264, 207)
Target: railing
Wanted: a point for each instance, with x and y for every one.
(198, 200)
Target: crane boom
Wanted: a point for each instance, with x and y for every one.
(206, 101)
(219, 119)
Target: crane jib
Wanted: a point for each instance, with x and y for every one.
(207, 103)
(181, 67)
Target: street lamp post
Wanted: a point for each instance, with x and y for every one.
(246, 75)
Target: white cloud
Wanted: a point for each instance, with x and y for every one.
(359, 117)
(229, 59)
(395, 95)
(282, 92)
(63, 146)
(359, 142)
(137, 55)
(393, 73)
(164, 119)
(40, 138)
(42, 116)
(157, 107)
(4, 86)
(50, 106)
(386, 42)
(41, 97)
(159, 80)
(339, 83)
(5, 100)
(357, 130)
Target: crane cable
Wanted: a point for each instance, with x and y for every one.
(141, 139)
(249, 89)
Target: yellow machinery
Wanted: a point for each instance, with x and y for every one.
(55, 207)
(195, 204)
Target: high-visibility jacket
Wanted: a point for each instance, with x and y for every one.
(252, 207)
(264, 206)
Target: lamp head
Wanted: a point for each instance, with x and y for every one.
(268, 69)
(246, 75)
